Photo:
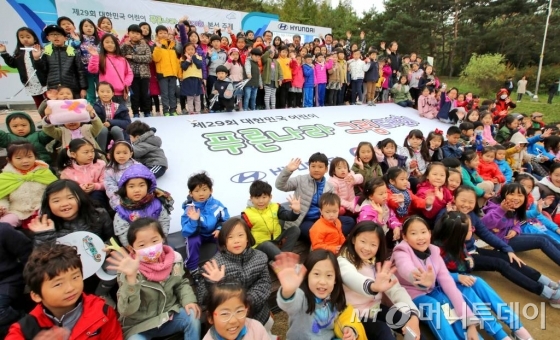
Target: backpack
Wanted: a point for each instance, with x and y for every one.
(30, 327)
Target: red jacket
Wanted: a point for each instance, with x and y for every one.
(92, 325)
(439, 204)
(489, 171)
(501, 105)
(416, 203)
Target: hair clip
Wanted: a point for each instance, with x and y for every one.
(438, 132)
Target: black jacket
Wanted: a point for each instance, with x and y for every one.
(15, 248)
(59, 68)
(553, 88)
(372, 75)
(18, 61)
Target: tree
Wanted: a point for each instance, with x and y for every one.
(486, 71)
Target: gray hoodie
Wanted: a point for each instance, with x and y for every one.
(148, 151)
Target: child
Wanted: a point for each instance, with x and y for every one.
(367, 280)
(434, 143)
(215, 57)
(489, 170)
(313, 297)
(114, 116)
(140, 197)
(202, 220)
(120, 159)
(343, 181)
(263, 217)
(252, 72)
(154, 297)
(473, 116)
(223, 88)
(326, 233)
(365, 164)
(488, 132)
(309, 81)
(191, 85)
(374, 208)
(450, 233)
(321, 69)
(416, 150)
(537, 119)
(516, 153)
(21, 126)
(371, 77)
(235, 69)
(400, 198)
(389, 158)
(83, 316)
(422, 272)
(503, 165)
(467, 134)
(89, 37)
(511, 123)
(111, 66)
(448, 111)
(69, 131)
(147, 147)
(271, 76)
(357, 69)
(24, 180)
(503, 104)
(237, 259)
(81, 164)
(387, 74)
(454, 179)
(427, 104)
(296, 90)
(227, 308)
(549, 188)
(504, 216)
(139, 55)
(401, 93)
(310, 188)
(105, 26)
(13, 254)
(60, 64)
(167, 68)
(452, 147)
(33, 81)
(434, 183)
(469, 169)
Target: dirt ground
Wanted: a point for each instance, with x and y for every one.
(548, 317)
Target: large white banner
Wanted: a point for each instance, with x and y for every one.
(238, 148)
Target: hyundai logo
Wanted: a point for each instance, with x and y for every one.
(248, 177)
(283, 27)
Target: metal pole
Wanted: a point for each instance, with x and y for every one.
(548, 12)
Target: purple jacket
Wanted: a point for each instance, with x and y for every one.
(367, 213)
(495, 218)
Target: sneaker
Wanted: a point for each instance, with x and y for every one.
(517, 337)
(185, 112)
(358, 103)
(147, 114)
(553, 285)
(370, 103)
(166, 114)
(136, 115)
(554, 301)
(174, 113)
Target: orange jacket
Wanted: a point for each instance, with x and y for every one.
(326, 235)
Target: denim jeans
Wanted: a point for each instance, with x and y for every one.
(250, 95)
(405, 103)
(357, 90)
(283, 243)
(181, 323)
(543, 242)
(167, 88)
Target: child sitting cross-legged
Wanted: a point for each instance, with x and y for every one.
(309, 188)
(326, 233)
(147, 147)
(53, 274)
(263, 217)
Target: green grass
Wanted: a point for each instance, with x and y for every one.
(551, 112)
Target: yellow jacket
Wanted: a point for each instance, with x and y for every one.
(165, 58)
(192, 70)
(264, 224)
(349, 318)
(285, 66)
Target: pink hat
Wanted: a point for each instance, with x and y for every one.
(233, 49)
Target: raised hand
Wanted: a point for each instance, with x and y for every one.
(362, 35)
(293, 165)
(507, 205)
(359, 162)
(289, 272)
(548, 200)
(213, 272)
(92, 50)
(398, 198)
(439, 193)
(36, 53)
(193, 213)
(348, 35)
(122, 262)
(423, 277)
(430, 198)
(349, 179)
(451, 206)
(295, 203)
(377, 207)
(384, 279)
(40, 224)
(546, 133)
(2, 48)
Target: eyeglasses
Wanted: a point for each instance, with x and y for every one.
(225, 316)
(54, 35)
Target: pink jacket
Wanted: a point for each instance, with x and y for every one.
(321, 71)
(346, 190)
(86, 174)
(387, 74)
(407, 262)
(439, 204)
(487, 135)
(427, 107)
(297, 75)
(388, 221)
(255, 331)
(117, 72)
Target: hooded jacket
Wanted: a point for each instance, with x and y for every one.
(501, 104)
(86, 174)
(514, 158)
(165, 58)
(62, 66)
(308, 76)
(267, 70)
(39, 139)
(153, 209)
(265, 223)
(495, 218)
(345, 190)
(212, 214)
(505, 169)
(321, 71)
(388, 221)
(111, 181)
(148, 151)
(251, 269)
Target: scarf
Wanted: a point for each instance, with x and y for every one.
(161, 270)
(323, 316)
(149, 206)
(10, 182)
(455, 265)
(402, 210)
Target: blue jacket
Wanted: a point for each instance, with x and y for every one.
(533, 213)
(483, 233)
(314, 212)
(212, 214)
(505, 168)
(445, 107)
(536, 149)
(308, 76)
(451, 150)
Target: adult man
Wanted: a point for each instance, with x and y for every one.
(395, 60)
(267, 38)
(297, 42)
(329, 42)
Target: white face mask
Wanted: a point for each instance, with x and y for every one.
(503, 96)
(150, 254)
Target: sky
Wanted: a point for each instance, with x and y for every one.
(363, 5)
